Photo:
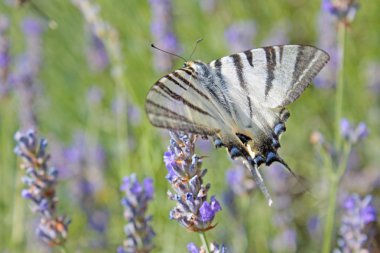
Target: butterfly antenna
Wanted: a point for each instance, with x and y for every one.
(52, 24)
(176, 55)
(280, 160)
(195, 47)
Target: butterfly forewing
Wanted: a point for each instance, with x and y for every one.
(178, 101)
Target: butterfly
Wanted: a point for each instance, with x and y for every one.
(238, 100)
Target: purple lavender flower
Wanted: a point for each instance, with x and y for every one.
(41, 180)
(327, 39)
(5, 58)
(240, 35)
(344, 10)
(214, 248)
(239, 180)
(358, 214)
(351, 134)
(163, 33)
(139, 233)
(186, 177)
(97, 56)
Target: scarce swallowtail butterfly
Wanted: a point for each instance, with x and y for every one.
(238, 100)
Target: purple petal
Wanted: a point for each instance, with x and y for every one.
(362, 131)
(136, 188)
(148, 186)
(192, 248)
(26, 194)
(206, 212)
(368, 214)
(215, 206)
(349, 203)
(345, 128)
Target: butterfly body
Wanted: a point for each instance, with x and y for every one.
(238, 100)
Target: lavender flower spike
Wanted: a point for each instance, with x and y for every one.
(41, 181)
(186, 177)
(139, 233)
(358, 214)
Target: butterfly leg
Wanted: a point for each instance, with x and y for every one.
(234, 152)
(218, 142)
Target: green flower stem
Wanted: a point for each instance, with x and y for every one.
(335, 178)
(340, 83)
(330, 217)
(62, 248)
(338, 168)
(204, 241)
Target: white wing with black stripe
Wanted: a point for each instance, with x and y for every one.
(271, 76)
(178, 101)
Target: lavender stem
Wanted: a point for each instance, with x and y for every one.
(340, 83)
(338, 169)
(204, 241)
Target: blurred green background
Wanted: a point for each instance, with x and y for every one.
(129, 144)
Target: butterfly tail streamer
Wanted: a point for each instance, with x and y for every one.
(253, 168)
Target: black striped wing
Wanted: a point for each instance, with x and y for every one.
(178, 101)
(271, 76)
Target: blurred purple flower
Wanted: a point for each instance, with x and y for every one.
(286, 241)
(327, 40)
(372, 71)
(134, 114)
(163, 33)
(84, 165)
(186, 177)
(208, 6)
(192, 248)
(27, 67)
(94, 95)
(239, 180)
(351, 134)
(214, 248)
(282, 186)
(240, 35)
(5, 58)
(41, 180)
(314, 226)
(139, 233)
(96, 52)
(344, 10)
(357, 216)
